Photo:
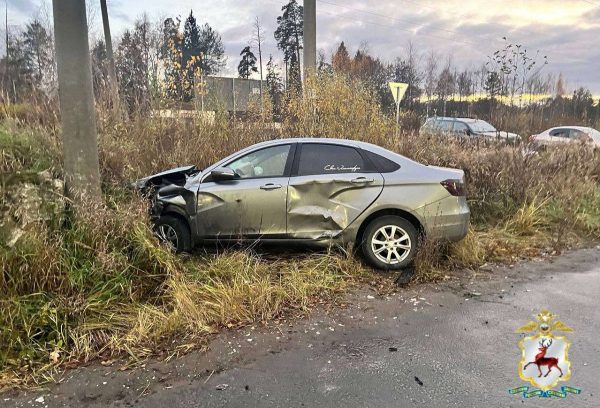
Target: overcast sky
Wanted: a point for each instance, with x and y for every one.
(567, 31)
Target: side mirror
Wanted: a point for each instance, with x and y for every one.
(223, 174)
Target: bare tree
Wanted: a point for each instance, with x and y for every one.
(431, 76)
(258, 41)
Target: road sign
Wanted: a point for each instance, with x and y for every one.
(398, 90)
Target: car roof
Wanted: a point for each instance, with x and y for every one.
(466, 120)
(582, 128)
(326, 140)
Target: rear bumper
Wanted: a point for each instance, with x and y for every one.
(447, 219)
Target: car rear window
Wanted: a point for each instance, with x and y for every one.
(382, 164)
(317, 158)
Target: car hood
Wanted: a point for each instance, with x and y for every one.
(167, 176)
(501, 134)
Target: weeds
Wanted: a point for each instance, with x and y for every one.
(96, 283)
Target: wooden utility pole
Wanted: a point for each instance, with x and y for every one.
(310, 37)
(76, 94)
(112, 71)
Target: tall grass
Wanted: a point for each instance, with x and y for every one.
(95, 282)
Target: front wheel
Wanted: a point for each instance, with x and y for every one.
(174, 232)
(390, 242)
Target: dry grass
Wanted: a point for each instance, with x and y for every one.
(98, 284)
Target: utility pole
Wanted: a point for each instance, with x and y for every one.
(75, 91)
(6, 29)
(112, 72)
(310, 37)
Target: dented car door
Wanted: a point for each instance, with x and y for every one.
(331, 185)
(253, 205)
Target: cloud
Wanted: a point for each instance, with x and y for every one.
(26, 7)
(463, 29)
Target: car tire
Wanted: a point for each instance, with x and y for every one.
(390, 243)
(174, 231)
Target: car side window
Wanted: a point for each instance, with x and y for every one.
(382, 164)
(461, 128)
(446, 126)
(579, 135)
(317, 158)
(560, 133)
(267, 162)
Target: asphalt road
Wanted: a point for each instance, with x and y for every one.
(450, 351)
(432, 346)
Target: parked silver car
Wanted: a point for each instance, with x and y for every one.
(312, 191)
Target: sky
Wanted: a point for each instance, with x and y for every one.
(566, 31)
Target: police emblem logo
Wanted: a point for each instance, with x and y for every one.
(545, 358)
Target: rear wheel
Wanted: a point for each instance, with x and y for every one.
(174, 232)
(390, 242)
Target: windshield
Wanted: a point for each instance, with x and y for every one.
(481, 126)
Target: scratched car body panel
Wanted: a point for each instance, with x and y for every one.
(314, 191)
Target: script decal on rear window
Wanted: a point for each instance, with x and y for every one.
(341, 167)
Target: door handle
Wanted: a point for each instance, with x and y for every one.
(270, 186)
(361, 180)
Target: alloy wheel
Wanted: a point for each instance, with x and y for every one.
(167, 233)
(391, 244)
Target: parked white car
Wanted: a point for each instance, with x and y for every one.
(568, 134)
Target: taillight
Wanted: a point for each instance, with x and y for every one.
(455, 187)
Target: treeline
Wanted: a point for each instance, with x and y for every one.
(164, 62)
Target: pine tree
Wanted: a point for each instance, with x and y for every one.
(493, 84)
(289, 35)
(191, 56)
(17, 79)
(274, 81)
(131, 61)
(274, 85)
(248, 63)
(341, 60)
(171, 54)
(295, 81)
(99, 67)
(37, 46)
(212, 52)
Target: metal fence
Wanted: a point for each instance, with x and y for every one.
(227, 94)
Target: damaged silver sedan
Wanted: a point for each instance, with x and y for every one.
(312, 191)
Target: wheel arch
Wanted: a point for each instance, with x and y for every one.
(176, 212)
(388, 211)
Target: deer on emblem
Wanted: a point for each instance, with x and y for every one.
(542, 360)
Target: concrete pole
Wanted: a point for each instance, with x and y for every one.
(80, 146)
(112, 71)
(310, 37)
